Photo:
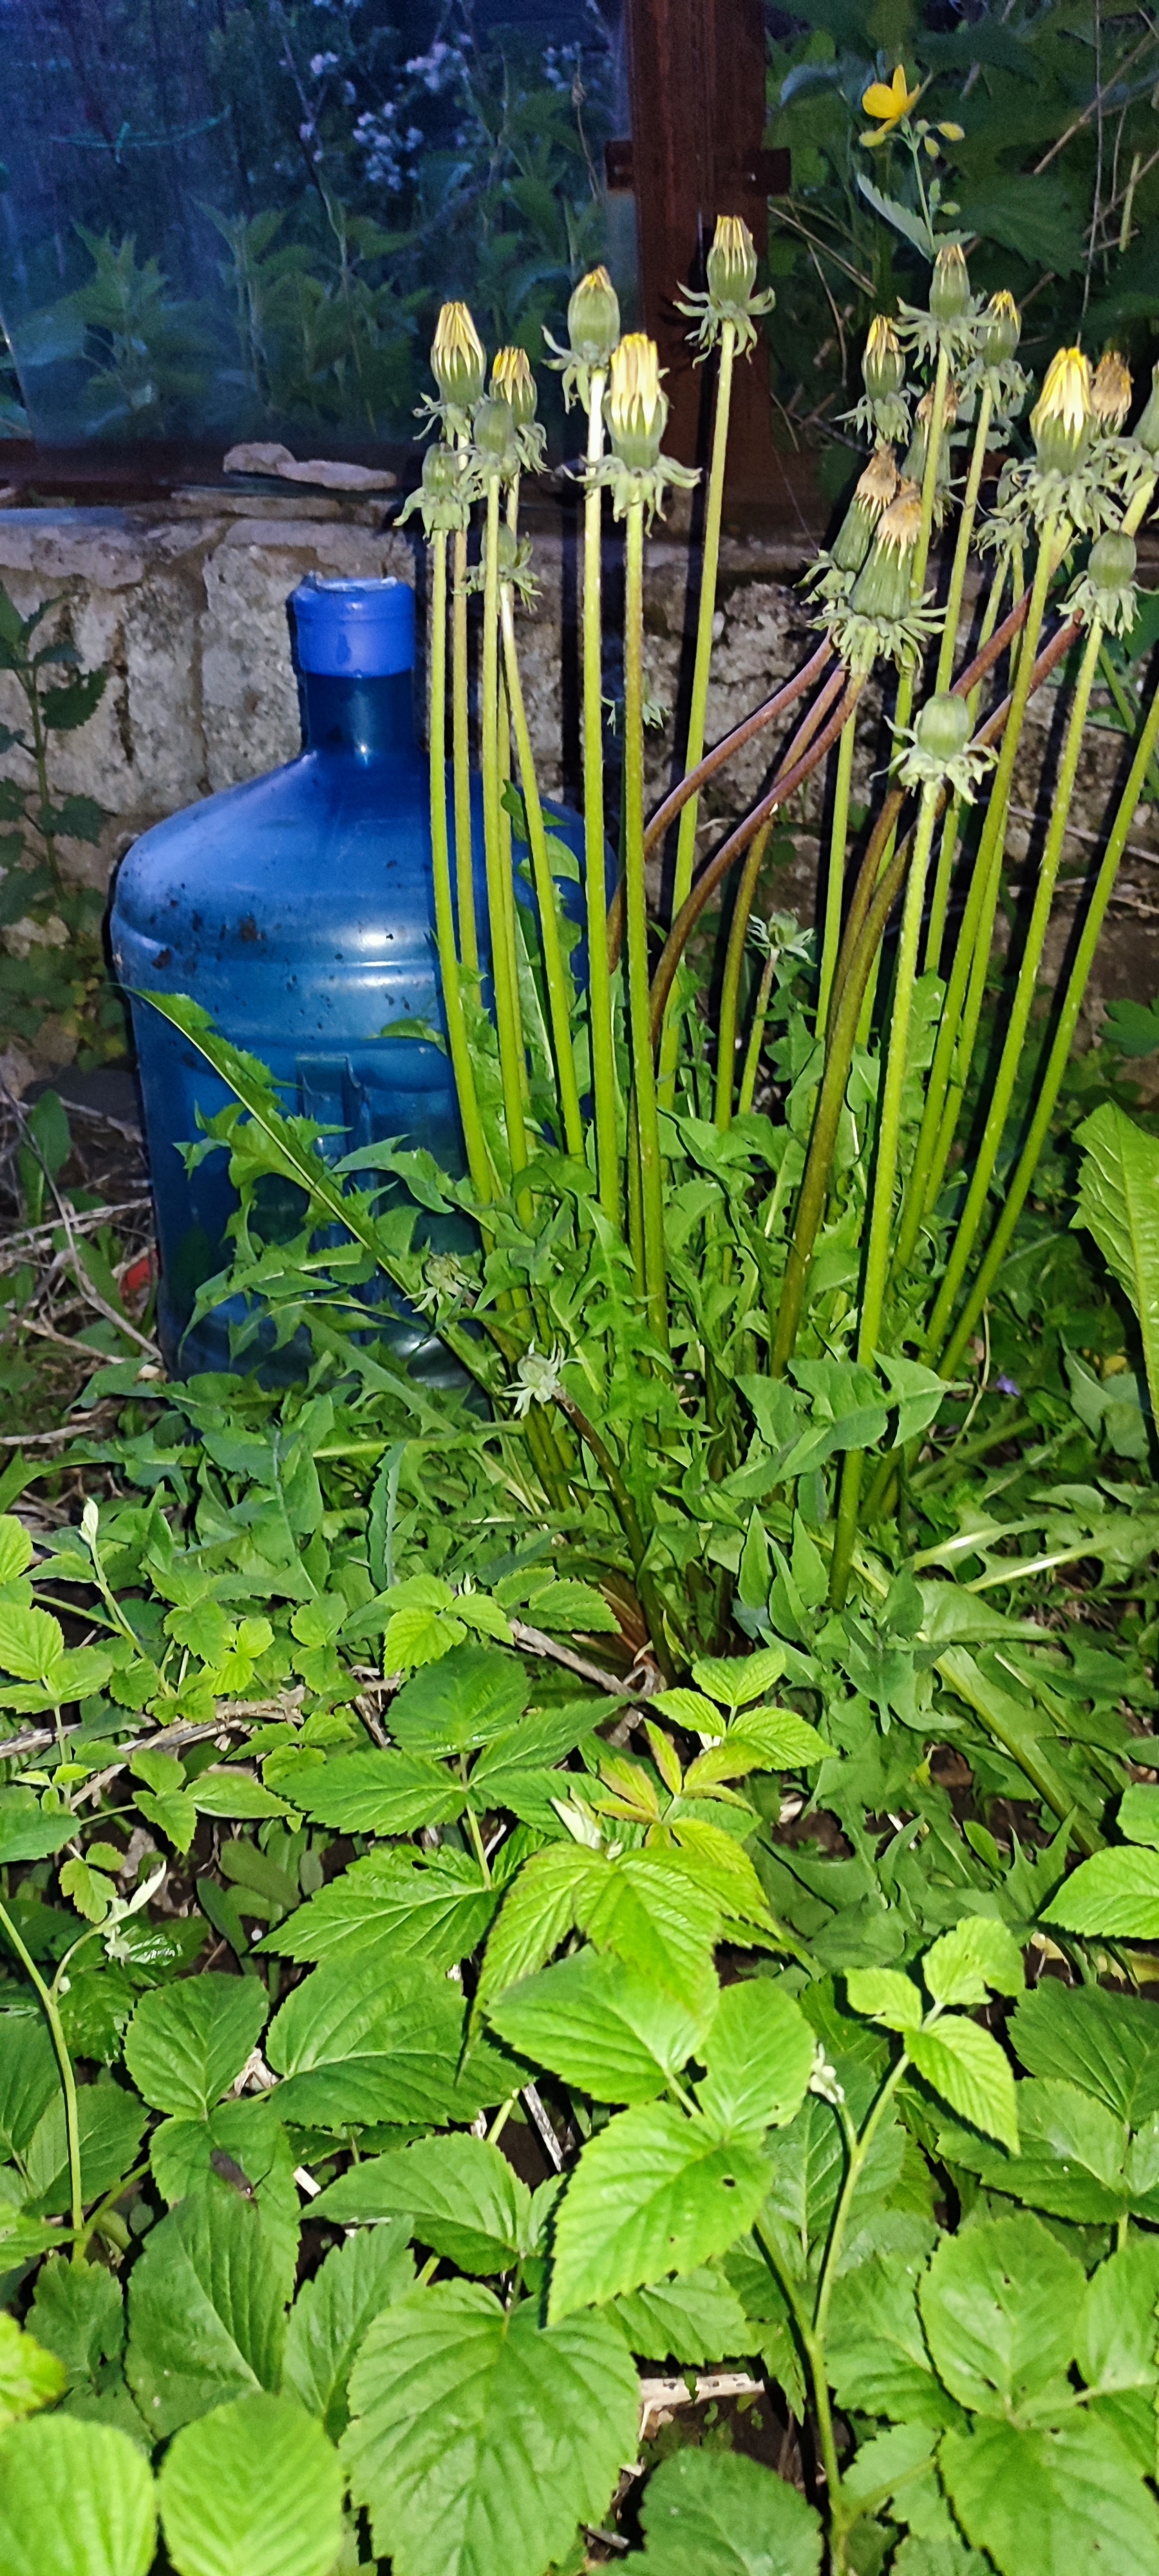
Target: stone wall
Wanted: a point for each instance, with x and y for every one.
(186, 601)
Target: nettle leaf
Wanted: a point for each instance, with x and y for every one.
(1106, 2043)
(186, 2043)
(979, 1954)
(239, 2139)
(375, 1792)
(1114, 1894)
(396, 1905)
(646, 1907)
(75, 2500)
(601, 2026)
(462, 2197)
(355, 2045)
(480, 2438)
(695, 2320)
(968, 2070)
(469, 1696)
(30, 2377)
(253, 2489)
(331, 2314)
(735, 1680)
(207, 2311)
(1001, 2305)
(885, 1996)
(653, 2193)
(1044, 2503)
(759, 2055)
(714, 2513)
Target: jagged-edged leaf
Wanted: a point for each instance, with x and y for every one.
(78, 2314)
(26, 1833)
(647, 1907)
(968, 2070)
(355, 2045)
(653, 2193)
(244, 2144)
(1076, 2159)
(1118, 1203)
(1047, 2502)
(479, 2437)
(600, 2025)
(332, 2312)
(714, 2513)
(697, 2319)
(878, 2356)
(228, 1790)
(375, 1792)
(397, 1905)
(463, 2198)
(978, 1955)
(187, 2042)
(566, 1606)
(29, 2078)
(1116, 2347)
(1108, 2044)
(252, 2489)
(1001, 2304)
(914, 227)
(451, 1706)
(884, 1995)
(207, 2311)
(110, 2122)
(1114, 1894)
(75, 2500)
(759, 2055)
(30, 2376)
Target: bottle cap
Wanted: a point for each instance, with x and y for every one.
(355, 630)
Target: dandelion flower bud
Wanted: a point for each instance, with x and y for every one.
(1001, 327)
(637, 408)
(731, 266)
(883, 366)
(513, 382)
(875, 490)
(950, 285)
(593, 319)
(458, 359)
(1112, 561)
(495, 435)
(884, 584)
(1111, 391)
(1060, 422)
(943, 727)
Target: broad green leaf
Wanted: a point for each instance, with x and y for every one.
(479, 2438)
(173, 1814)
(654, 2192)
(565, 1607)
(759, 2055)
(244, 2144)
(75, 2500)
(207, 2311)
(776, 1738)
(253, 2489)
(878, 2356)
(1116, 2347)
(464, 2200)
(461, 1701)
(1051, 2502)
(884, 1995)
(656, 1916)
(538, 1909)
(601, 2026)
(437, 1910)
(1001, 2304)
(807, 2165)
(78, 2314)
(913, 227)
(226, 1790)
(967, 2069)
(27, 1833)
(187, 2042)
(1118, 1203)
(1108, 2044)
(1115, 1894)
(735, 1680)
(376, 1793)
(15, 1548)
(1074, 2156)
(1138, 1816)
(29, 2077)
(30, 2377)
(979, 1954)
(31, 1643)
(694, 2320)
(715, 2513)
(332, 2312)
(357, 2045)
(110, 2121)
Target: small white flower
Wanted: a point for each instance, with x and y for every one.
(537, 1380)
(823, 2079)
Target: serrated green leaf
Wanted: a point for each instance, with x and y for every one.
(75, 2500)
(1118, 1203)
(567, 1607)
(186, 2043)
(253, 2489)
(601, 2026)
(694, 2320)
(1073, 2159)
(30, 2377)
(464, 2200)
(714, 2513)
(78, 2314)
(242, 2138)
(469, 1696)
(759, 2056)
(331, 2314)
(735, 1680)
(1116, 2345)
(28, 1833)
(654, 2192)
(1108, 2044)
(878, 2357)
(110, 2121)
(31, 1643)
(967, 2069)
(884, 1995)
(1114, 1894)
(480, 2438)
(396, 1905)
(358, 2045)
(977, 1955)
(29, 2078)
(207, 2311)
(224, 1790)
(15, 1548)
(1001, 2305)
(1047, 2502)
(376, 1793)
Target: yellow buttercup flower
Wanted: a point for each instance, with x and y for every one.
(889, 102)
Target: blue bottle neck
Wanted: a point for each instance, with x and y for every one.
(364, 719)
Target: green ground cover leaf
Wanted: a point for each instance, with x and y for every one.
(654, 2192)
(461, 1702)
(30, 2376)
(1114, 1894)
(600, 2025)
(75, 2500)
(479, 2439)
(354, 2046)
(207, 2311)
(697, 2319)
(968, 2070)
(186, 2043)
(331, 2314)
(375, 1792)
(1046, 2501)
(460, 2194)
(1118, 1203)
(29, 2077)
(397, 1905)
(711, 2513)
(111, 2123)
(1116, 2346)
(252, 2489)
(759, 2055)
(1001, 2305)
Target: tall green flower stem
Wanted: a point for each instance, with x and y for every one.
(556, 976)
(881, 1217)
(51, 2011)
(702, 665)
(733, 964)
(730, 743)
(943, 874)
(461, 756)
(961, 1010)
(478, 1159)
(998, 1107)
(835, 881)
(1017, 1188)
(603, 1055)
(748, 1080)
(507, 1012)
(966, 517)
(649, 1248)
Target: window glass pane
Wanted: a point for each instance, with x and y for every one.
(237, 218)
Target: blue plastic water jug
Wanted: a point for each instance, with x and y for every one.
(298, 909)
